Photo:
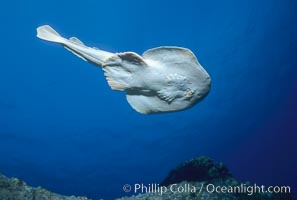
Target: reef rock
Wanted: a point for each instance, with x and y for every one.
(15, 189)
(198, 169)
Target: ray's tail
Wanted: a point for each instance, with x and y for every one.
(47, 33)
(74, 45)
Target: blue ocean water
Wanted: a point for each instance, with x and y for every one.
(63, 128)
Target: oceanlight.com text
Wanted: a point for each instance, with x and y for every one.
(209, 188)
(247, 189)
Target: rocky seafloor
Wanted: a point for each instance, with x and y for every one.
(15, 189)
(195, 179)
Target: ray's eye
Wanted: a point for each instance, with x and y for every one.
(189, 93)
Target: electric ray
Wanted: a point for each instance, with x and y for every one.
(163, 79)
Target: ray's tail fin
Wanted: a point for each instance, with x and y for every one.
(95, 56)
(47, 33)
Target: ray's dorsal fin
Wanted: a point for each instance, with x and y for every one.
(76, 41)
(132, 57)
(170, 54)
